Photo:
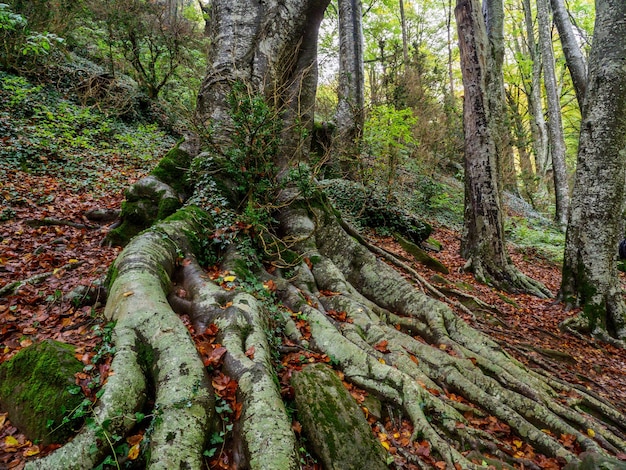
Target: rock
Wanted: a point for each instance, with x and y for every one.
(34, 390)
(595, 461)
(333, 422)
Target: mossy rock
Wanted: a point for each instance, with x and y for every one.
(34, 390)
(370, 207)
(172, 169)
(333, 423)
(595, 461)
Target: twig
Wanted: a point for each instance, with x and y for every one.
(12, 287)
(52, 221)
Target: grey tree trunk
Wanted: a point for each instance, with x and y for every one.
(271, 47)
(538, 125)
(349, 117)
(483, 242)
(596, 220)
(555, 124)
(498, 111)
(573, 55)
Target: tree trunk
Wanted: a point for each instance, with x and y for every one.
(483, 242)
(533, 91)
(271, 47)
(498, 112)
(573, 55)
(555, 124)
(596, 221)
(349, 116)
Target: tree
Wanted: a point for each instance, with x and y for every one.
(596, 220)
(152, 37)
(499, 117)
(483, 242)
(555, 124)
(349, 117)
(385, 336)
(573, 55)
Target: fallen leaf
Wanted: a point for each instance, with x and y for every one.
(250, 352)
(32, 450)
(230, 278)
(128, 294)
(133, 452)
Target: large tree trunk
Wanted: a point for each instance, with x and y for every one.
(483, 243)
(499, 117)
(596, 222)
(349, 117)
(555, 124)
(573, 55)
(381, 333)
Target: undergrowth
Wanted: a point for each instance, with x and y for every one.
(45, 132)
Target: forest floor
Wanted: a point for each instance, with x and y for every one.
(525, 326)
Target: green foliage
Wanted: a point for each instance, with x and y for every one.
(255, 142)
(20, 47)
(43, 131)
(147, 39)
(536, 236)
(388, 138)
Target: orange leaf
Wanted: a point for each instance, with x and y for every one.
(250, 352)
(134, 440)
(382, 346)
(133, 452)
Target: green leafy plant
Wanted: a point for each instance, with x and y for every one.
(22, 48)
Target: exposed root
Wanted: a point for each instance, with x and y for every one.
(409, 350)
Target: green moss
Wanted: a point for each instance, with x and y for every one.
(112, 274)
(34, 390)
(167, 206)
(172, 169)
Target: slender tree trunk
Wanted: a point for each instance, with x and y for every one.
(499, 118)
(521, 142)
(538, 125)
(349, 116)
(405, 40)
(483, 242)
(596, 221)
(555, 125)
(448, 12)
(573, 55)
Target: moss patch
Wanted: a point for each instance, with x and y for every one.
(333, 422)
(172, 169)
(34, 390)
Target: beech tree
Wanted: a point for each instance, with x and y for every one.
(349, 117)
(483, 243)
(596, 221)
(406, 349)
(555, 124)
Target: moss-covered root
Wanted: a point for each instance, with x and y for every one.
(183, 394)
(153, 344)
(266, 437)
(333, 422)
(124, 394)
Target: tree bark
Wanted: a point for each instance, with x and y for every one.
(573, 55)
(555, 124)
(483, 243)
(499, 117)
(349, 116)
(533, 91)
(596, 220)
(271, 47)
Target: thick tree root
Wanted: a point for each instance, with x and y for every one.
(408, 349)
(456, 357)
(155, 353)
